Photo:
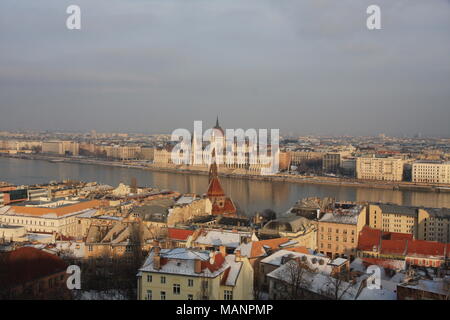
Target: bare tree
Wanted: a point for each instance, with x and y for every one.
(299, 280)
(338, 285)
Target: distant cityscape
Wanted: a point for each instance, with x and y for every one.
(133, 241)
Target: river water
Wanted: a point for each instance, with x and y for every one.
(249, 195)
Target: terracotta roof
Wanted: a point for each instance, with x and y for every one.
(426, 248)
(28, 264)
(219, 259)
(228, 208)
(223, 281)
(399, 244)
(368, 238)
(299, 250)
(396, 247)
(215, 189)
(258, 246)
(179, 234)
(61, 211)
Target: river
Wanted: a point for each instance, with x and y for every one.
(249, 195)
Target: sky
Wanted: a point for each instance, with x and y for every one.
(301, 66)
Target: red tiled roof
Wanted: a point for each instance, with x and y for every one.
(28, 264)
(179, 234)
(219, 259)
(225, 276)
(397, 247)
(426, 248)
(257, 246)
(215, 189)
(397, 236)
(368, 238)
(400, 244)
(228, 208)
(299, 250)
(61, 211)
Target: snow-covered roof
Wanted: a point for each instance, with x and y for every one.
(88, 213)
(319, 263)
(437, 286)
(325, 285)
(181, 261)
(338, 262)
(185, 200)
(221, 238)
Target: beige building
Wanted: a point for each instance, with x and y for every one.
(54, 217)
(299, 157)
(431, 172)
(387, 169)
(338, 230)
(432, 224)
(123, 152)
(61, 147)
(147, 153)
(186, 274)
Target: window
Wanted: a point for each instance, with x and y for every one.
(227, 295)
(176, 288)
(163, 279)
(163, 295)
(190, 282)
(190, 297)
(90, 248)
(149, 295)
(149, 278)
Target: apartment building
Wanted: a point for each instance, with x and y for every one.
(432, 224)
(386, 169)
(338, 230)
(61, 147)
(299, 157)
(431, 172)
(331, 162)
(187, 274)
(123, 152)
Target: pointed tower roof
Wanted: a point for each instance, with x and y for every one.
(218, 127)
(217, 123)
(214, 189)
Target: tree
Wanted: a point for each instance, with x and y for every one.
(299, 280)
(338, 285)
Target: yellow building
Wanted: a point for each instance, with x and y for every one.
(432, 224)
(387, 169)
(431, 172)
(338, 230)
(186, 274)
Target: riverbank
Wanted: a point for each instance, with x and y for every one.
(345, 182)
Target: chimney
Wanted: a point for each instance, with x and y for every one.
(156, 259)
(197, 266)
(223, 250)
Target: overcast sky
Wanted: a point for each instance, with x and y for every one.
(303, 66)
